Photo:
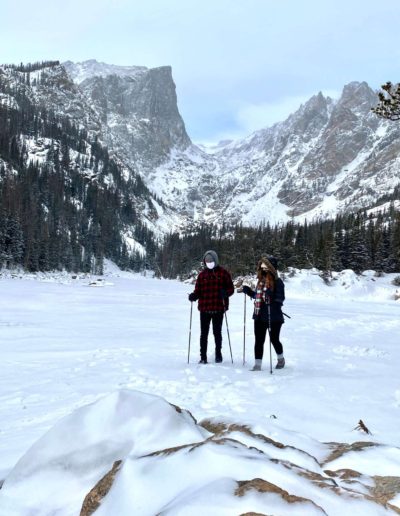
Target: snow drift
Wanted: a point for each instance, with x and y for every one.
(163, 462)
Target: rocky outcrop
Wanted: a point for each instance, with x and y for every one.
(138, 110)
(93, 499)
(262, 486)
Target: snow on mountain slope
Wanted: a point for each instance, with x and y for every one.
(79, 72)
(50, 88)
(328, 157)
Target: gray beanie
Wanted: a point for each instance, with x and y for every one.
(213, 255)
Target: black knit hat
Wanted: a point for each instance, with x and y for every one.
(273, 261)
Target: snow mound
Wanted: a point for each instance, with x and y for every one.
(368, 286)
(54, 476)
(134, 453)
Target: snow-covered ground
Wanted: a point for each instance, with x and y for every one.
(65, 343)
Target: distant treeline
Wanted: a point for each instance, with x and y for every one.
(353, 241)
(32, 67)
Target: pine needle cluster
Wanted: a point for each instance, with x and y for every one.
(389, 102)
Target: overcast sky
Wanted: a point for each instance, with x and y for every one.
(238, 65)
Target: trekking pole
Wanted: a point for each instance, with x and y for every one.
(269, 334)
(244, 331)
(190, 328)
(229, 339)
(227, 329)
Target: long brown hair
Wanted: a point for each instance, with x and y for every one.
(269, 278)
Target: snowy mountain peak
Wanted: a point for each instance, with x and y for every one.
(318, 101)
(356, 87)
(359, 97)
(137, 107)
(329, 156)
(79, 72)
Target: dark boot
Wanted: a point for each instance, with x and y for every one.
(218, 356)
(203, 361)
(280, 364)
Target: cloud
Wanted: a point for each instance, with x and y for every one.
(238, 66)
(256, 116)
(253, 117)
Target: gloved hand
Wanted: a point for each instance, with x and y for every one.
(247, 290)
(222, 293)
(192, 297)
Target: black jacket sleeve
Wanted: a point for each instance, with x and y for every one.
(279, 296)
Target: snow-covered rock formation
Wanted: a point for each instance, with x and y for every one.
(134, 453)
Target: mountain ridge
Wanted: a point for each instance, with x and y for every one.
(322, 160)
(329, 156)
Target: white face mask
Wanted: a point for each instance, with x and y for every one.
(210, 265)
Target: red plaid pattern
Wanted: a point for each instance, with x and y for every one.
(208, 289)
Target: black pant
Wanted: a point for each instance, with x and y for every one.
(260, 331)
(205, 319)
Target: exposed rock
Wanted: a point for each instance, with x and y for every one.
(138, 109)
(343, 474)
(93, 499)
(263, 486)
(254, 514)
(385, 489)
(339, 449)
(220, 429)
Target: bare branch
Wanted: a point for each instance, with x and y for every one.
(361, 426)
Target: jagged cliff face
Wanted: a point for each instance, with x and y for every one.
(138, 110)
(348, 131)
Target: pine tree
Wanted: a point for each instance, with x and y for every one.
(394, 255)
(389, 102)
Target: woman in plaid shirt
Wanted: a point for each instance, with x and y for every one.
(212, 290)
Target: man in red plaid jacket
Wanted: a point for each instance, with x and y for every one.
(212, 290)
